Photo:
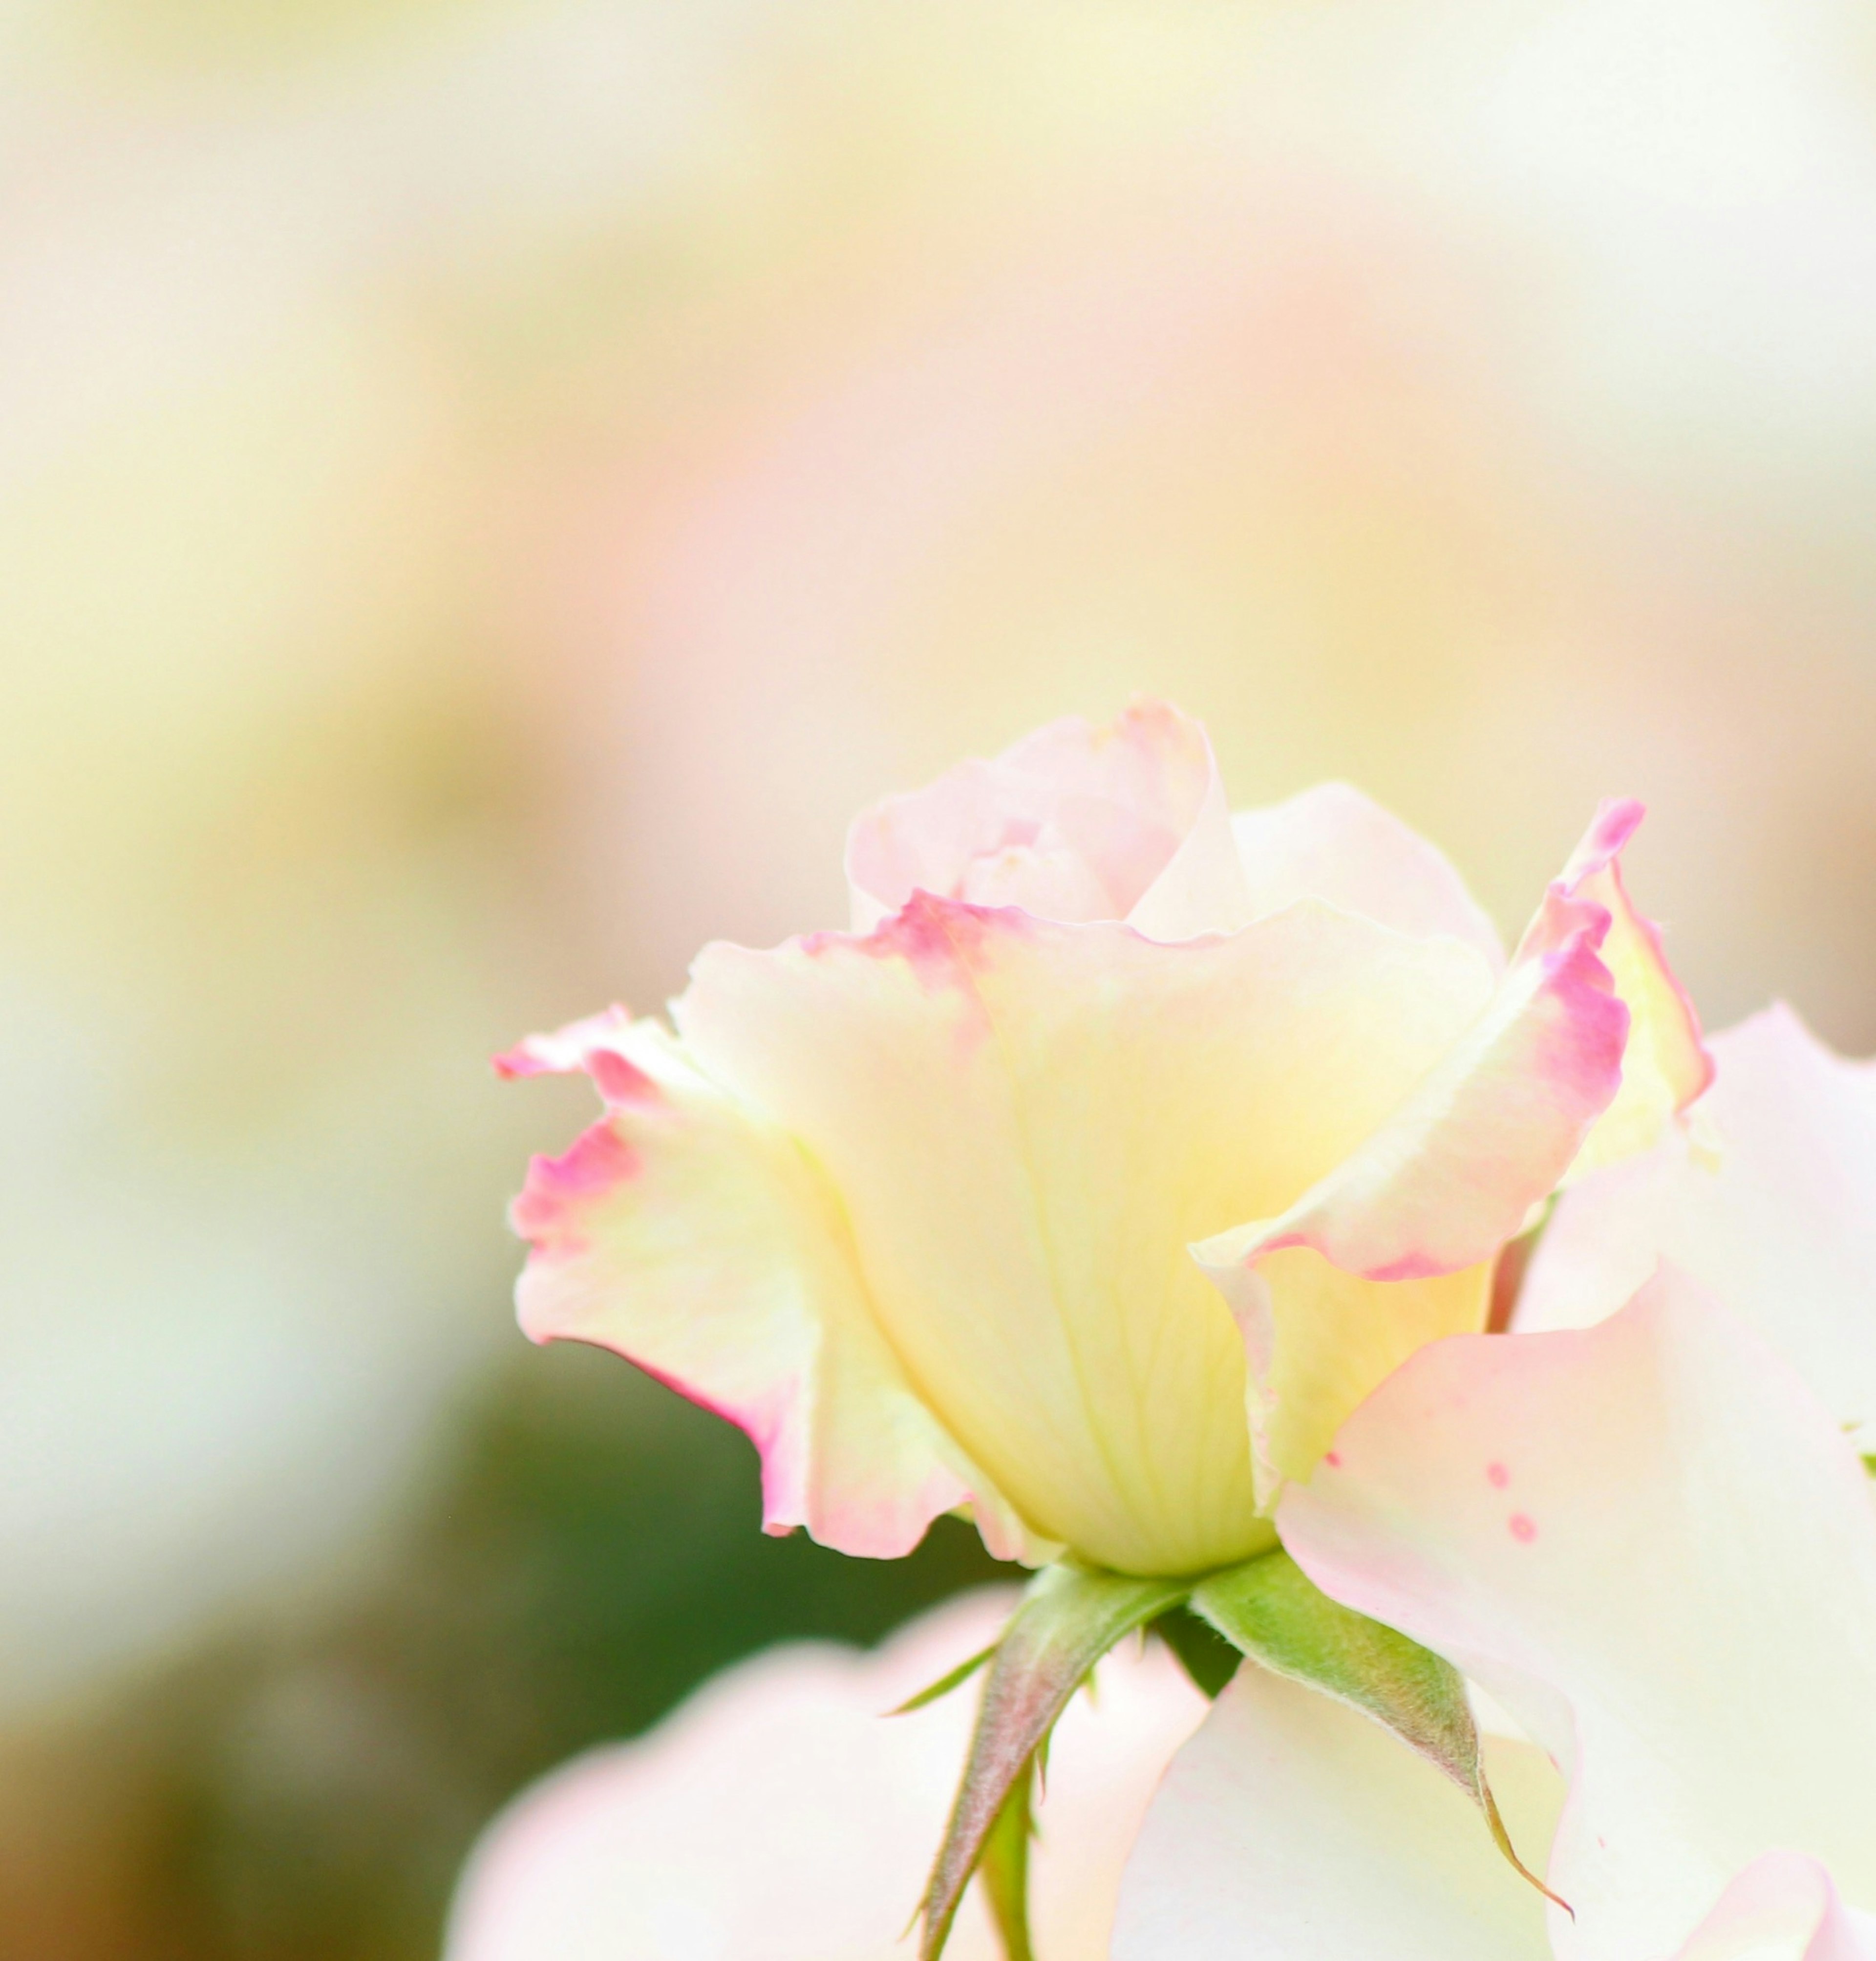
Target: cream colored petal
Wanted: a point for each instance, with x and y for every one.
(1392, 1248)
(691, 1235)
(1775, 1213)
(1333, 843)
(1653, 1546)
(1028, 1123)
(1318, 1340)
(1292, 1828)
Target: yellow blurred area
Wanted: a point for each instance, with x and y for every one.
(487, 489)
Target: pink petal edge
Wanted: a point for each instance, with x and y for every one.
(883, 1511)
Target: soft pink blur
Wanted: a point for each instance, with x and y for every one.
(781, 1816)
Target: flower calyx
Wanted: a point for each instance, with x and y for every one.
(1266, 1609)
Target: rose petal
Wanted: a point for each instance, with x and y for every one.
(1027, 1122)
(780, 1816)
(1389, 1250)
(1655, 1547)
(1665, 1065)
(1783, 1907)
(688, 1233)
(1774, 1214)
(1291, 1826)
(1333, 844)
(1075, 823)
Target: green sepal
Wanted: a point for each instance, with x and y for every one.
(1208, 1658)
(952, 1678)
(1271, 1610)
(1068, 1619)
(1005, 1865)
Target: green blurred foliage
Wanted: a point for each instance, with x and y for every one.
(592, 1553)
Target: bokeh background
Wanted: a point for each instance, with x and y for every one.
(487, 487)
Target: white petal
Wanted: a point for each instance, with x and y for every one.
(1292, 1828)
(1653, 1546)
(1773, 1212)
(780, 1815)
(1783, 1907)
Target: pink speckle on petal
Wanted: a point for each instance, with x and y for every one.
(1522, 1528)
(943, 943)
(940, 939)
(1333, 1459)
(1499, 1475)
(939, 936)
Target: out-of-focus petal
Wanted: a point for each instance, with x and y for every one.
(1651, 1542)
(1075, 823)
(1777, 1218)
(1293, 1827)
(686, 1231)
(1389, 1250)
(1331, 842)
(1666, 1065)
(1783, 1907)
(780, 1816)
(1028, 1122)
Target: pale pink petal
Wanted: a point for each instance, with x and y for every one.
(687, 1232)
(1027, 1122)
(1333, 844)
(1665, 1065)
(1775, 1212)
(1334, 1292)
(565, 1051)
(1075, 823)
(1293, 1828)
(1653, 1546)
(1783, 1907)
(781, 1816)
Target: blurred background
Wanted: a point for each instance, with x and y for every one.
(488, 487)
